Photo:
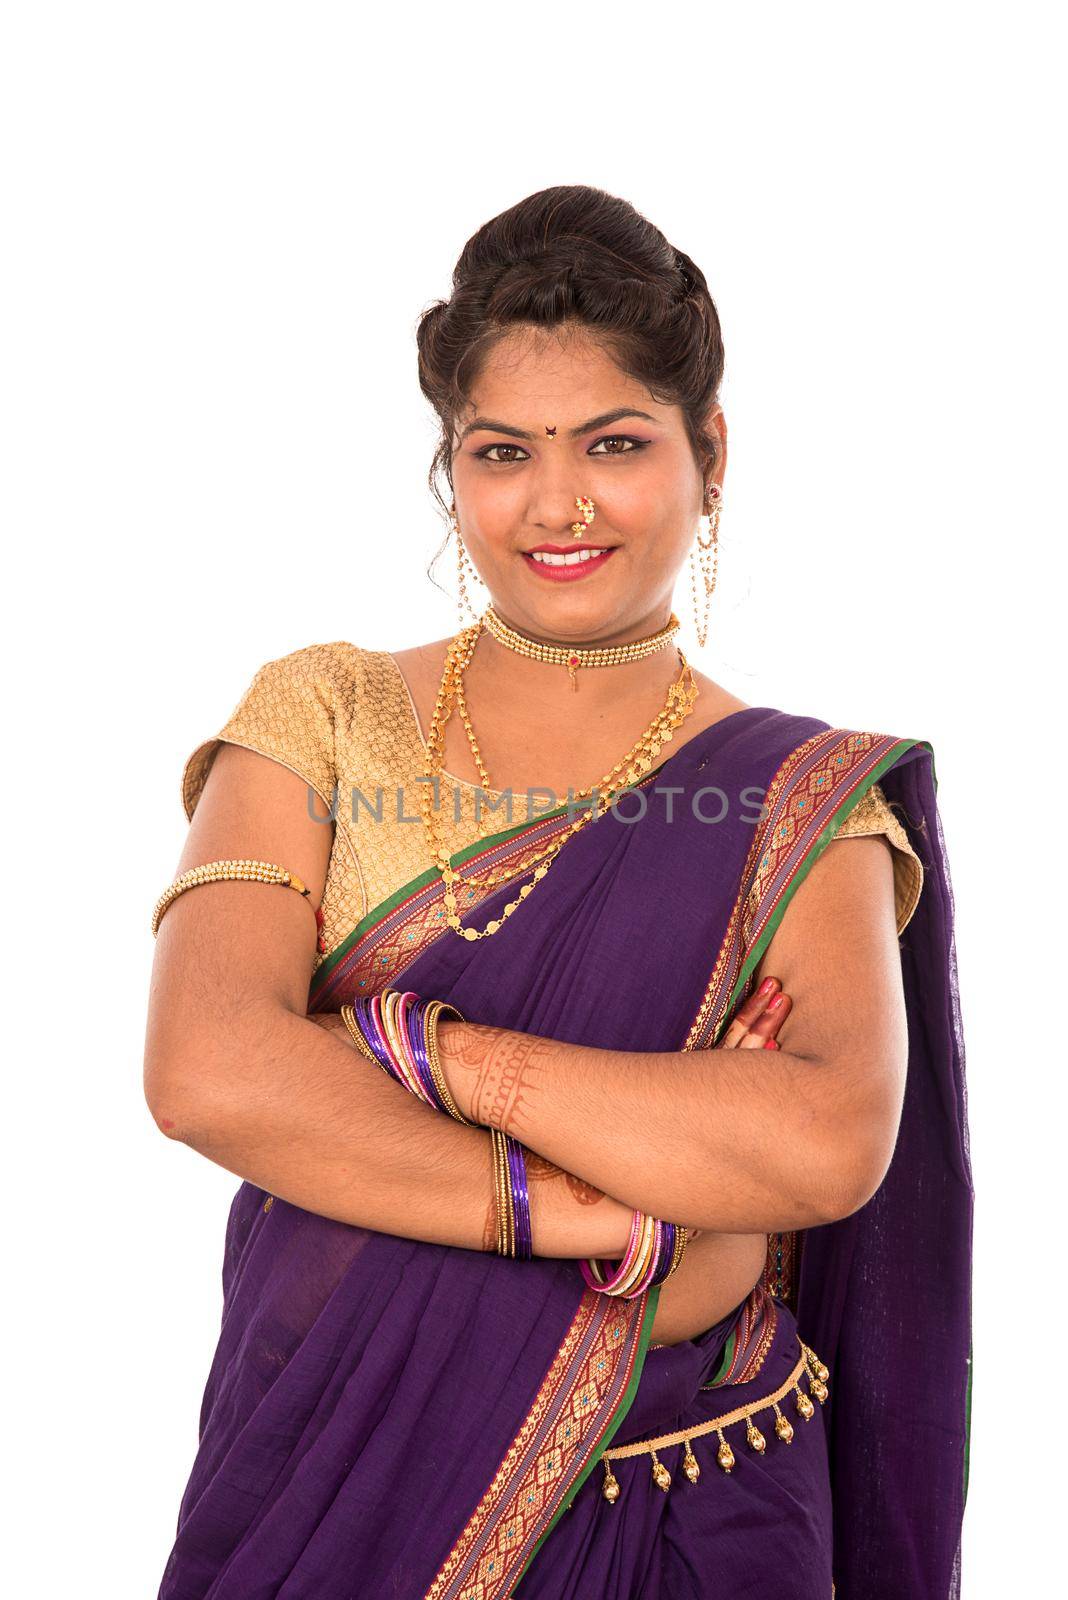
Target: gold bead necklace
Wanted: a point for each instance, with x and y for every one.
(571, 656)
(639, 760)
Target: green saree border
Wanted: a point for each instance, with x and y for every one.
(816, 849)
(384, 907)
(458, 858)
(725, 1365)
(968, 1422)
(613, 1427)
(752, 959)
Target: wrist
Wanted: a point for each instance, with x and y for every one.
(453, 1056)
(565, 1225)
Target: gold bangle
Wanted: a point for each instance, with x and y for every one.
(498, 1198)
(505, 1202)
(238, 872)
(677, 1253)
(348, 1017)
(434, 1012)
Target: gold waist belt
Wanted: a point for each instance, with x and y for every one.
(809, 1363)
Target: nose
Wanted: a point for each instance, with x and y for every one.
(560, 505)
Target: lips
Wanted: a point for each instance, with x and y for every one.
(564, 570)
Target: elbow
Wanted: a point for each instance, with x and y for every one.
(852, 1175)
(189, 1088)
(175, 1098)
(207, 1078)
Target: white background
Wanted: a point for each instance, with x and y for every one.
(222, 224)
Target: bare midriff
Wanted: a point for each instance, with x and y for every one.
(717, 1272)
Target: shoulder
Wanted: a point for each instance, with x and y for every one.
(316, 670)
(291, 711)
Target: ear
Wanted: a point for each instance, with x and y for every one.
(715, 425)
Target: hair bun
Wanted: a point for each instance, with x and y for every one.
(575, 254)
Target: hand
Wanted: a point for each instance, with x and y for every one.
(756, 1023)
(462, 1048)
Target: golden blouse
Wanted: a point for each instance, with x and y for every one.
(341, 716)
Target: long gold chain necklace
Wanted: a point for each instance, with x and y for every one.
(640, 759)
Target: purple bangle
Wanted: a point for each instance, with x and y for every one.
(606, 1279)
(364, 1010)
(415, 1073)
(517, 1167)
(668, 1235)
(415, 1023)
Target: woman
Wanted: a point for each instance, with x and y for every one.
(399, 1405)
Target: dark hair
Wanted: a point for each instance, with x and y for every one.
(575, 254)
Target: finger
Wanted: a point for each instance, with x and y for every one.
(767, 1025)
(748, 1013)
(770, 1021)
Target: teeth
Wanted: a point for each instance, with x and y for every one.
(551, 560)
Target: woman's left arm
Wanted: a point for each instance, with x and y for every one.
(756, 1139)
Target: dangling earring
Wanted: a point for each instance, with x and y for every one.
(709, 568)
(462, 557)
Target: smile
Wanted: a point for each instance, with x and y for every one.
(573, 564)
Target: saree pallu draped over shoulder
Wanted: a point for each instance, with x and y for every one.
(390, 1418)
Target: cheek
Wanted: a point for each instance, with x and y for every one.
(490, 510)
(654, 519)
(654, 493)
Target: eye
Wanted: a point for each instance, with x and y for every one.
(484, 454)
(631, 445)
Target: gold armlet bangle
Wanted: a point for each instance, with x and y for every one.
(237, 872)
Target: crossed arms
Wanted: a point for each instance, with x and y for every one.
(754, 1141)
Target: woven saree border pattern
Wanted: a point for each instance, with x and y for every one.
(556, 1445)
(809, 795)
(372, 956)
(813, 790)
(750, 1339)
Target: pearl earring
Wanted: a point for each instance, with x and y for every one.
(462, 557)
(707, 549)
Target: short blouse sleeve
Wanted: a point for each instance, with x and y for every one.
(871, 815)
(288, 713)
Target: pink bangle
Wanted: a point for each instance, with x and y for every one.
(651, 1255)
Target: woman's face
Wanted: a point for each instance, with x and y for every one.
(516, 486)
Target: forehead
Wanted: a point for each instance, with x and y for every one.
(559, 375)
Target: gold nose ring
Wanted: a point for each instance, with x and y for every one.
(586, 510)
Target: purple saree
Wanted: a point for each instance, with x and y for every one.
(389, 1418)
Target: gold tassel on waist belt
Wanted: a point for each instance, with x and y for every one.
(808, 1363)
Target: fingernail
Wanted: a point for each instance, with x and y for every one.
(771, 1044)
(767, 986)
(776, 1003)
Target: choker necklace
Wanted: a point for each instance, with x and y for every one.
(570, 656)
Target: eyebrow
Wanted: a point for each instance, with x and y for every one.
(488, 425)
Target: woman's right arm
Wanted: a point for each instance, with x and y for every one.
(236, 1069)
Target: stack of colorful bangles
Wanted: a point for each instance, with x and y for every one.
(398, 1032)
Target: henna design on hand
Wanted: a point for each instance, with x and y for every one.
(492, 1072)
(542, 1170)
(507, 1079)
(583, 1192)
